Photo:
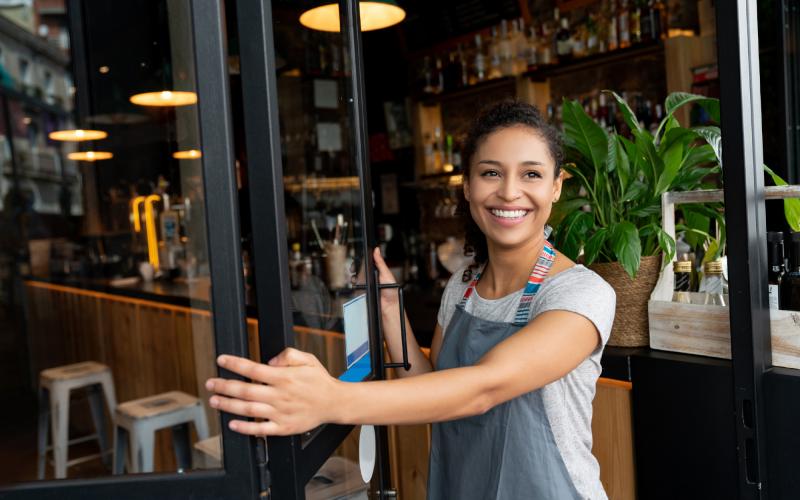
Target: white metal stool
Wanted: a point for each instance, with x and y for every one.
(55, 385)
(137, 421)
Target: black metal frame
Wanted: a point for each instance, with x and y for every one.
(292, 462)
(751, 353)
(238, 479)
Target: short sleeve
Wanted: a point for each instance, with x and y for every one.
(583, 292)
(453, 292)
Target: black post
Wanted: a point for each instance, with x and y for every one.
(351, 26)
(222, 216)
(265, 179)
(737, 35)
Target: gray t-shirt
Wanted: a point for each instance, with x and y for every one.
(567, 401)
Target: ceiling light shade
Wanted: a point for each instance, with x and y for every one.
(90, 155)
(77, 135)
(189, 154)
(375, 15)
(165, 98)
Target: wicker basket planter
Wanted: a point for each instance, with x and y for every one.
(630, 320)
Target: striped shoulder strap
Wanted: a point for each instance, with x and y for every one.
(537, 276)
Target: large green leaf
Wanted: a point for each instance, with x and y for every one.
(676, 135)
(594, 245)
(713, 137)
(573, 231)
(646, 211)
(698, 221)
(653, 164)
(673, 159)
(791, 206)
(677, 99)
(565, 207)
(585, 135)
(623, 164)
(636, 190)
(626, 246)
(627, 113)
(666, 243)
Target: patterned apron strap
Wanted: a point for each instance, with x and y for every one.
(471, 287)
(538, 274)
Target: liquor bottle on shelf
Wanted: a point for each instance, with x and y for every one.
(623, 24)
(659, 19)
(463, 66)
(546, 52)
(647, 20)
(612, 29)
(790, 283)
(714, 286)
(427, 71)
(438, 151)
(777, 267)
(520, 48)
(635, 22)
(579, 37)
(683, 281)
(533, 49)
(494, 56)
(505, 51)
(592, 35)
(564, 42)
(438, 82)
(479, 62)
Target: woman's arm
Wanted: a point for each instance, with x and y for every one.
(295, 392)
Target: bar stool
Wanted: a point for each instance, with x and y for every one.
(137, 421)
(55, 385)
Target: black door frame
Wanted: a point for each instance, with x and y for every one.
(239, 476)
(742, 152)
(292, 463)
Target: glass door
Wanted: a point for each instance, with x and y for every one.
(133, 283)
(311, 213)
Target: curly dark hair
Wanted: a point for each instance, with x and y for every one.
(494, 117)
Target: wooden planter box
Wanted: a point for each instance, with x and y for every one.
(705, 329)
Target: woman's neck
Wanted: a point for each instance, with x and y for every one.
(508, 269)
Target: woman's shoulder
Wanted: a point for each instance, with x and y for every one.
(580, 281)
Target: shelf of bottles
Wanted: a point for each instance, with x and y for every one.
(603, 31)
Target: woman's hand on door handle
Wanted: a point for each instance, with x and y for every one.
(293, 394)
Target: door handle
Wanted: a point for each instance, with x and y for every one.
(381, 286)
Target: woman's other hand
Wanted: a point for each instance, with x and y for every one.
(292, 394)
(389, 296)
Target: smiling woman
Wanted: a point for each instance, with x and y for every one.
(515, 354)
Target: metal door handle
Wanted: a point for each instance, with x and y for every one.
(405, 364)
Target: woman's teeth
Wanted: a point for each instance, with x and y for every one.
(509, 214)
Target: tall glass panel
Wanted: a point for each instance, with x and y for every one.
(323, 214)
(107, 325)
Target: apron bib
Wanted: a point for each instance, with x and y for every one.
(508, 453)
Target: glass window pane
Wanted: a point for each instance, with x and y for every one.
(104, 269)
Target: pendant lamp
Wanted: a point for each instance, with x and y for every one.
(375, 15)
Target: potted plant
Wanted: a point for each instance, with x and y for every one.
(609, 216)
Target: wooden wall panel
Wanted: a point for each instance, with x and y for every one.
(613, 438)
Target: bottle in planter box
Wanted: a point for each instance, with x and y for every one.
(683, 280)
(714, 285)
(777, 268)
(790, 282)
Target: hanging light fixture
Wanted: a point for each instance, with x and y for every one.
(189, 154)
(165, 98)
(77, 135)
(375, 15)
(90, 155)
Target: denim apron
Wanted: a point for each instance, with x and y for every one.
(508, 453)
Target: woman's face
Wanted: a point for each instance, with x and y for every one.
(512, 186)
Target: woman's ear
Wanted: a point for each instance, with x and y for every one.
(559, 182)
(466, 190)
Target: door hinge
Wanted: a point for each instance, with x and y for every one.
(264, 480)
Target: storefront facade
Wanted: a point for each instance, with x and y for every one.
(228, 201)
